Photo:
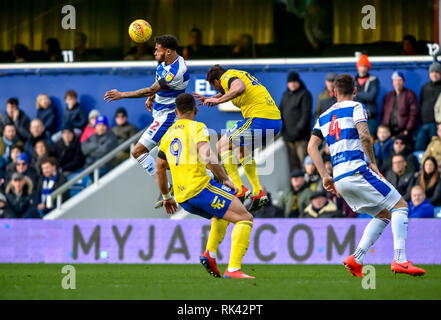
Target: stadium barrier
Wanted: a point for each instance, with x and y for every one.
(273, 241)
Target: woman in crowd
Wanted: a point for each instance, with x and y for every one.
(47, 113)
(430, 181)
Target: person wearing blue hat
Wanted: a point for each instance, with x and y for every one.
(100, 144)
(400, 109)
(22, 166)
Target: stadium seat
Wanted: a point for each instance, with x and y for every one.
(80, 185)
(419, 155)
(437, 212)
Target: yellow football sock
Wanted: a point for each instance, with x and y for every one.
(231, 168)
(250, 168)
(217, 233)
(240, 239)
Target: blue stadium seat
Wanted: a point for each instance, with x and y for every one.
(80, 185)
(419, 155)
(437, 212)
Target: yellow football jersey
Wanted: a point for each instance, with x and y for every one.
(189, 175)
(255, 101)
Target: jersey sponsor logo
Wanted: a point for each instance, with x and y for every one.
(169, 76)
(217, 204)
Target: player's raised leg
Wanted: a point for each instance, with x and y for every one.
(231, 165)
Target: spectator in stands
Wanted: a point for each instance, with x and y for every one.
(23, 167)
(101, 143)
(312, 178)
(326, 98)
(123, 131)
(41, 151)
(74, 112)
(419, 206)
(143, 52)
(16, 150)
(244, 47)
(400, 108)
(17, 117)
(384, 144)
(21, 199)
(7, 142)
(429, 179)
(295, 109)
(89, 130)
(20, 52)
(47, 113)
(68, 150)
(398, 176)
(50, 181)
(428, 96)
(321, 207)
(401, 147)
(38, 133)
(80, 51)
(409, 45)
(53, 50)
(434, 147)
(368, 87)
(2, 205)
(196, 50)
(294, 201)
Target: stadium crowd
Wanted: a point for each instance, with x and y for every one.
(36, 158)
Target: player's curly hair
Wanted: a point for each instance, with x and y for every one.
(167, 41)
(344, 84)
(185, 103)
(215, 73)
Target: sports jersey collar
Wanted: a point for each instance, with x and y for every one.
(165, 65)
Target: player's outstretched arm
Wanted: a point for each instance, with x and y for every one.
(314, 153)
(366, 143)
(144, 92)
(161, 179)
(236, 89)
(209, 157)
(201, 99)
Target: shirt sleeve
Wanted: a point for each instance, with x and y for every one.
(225, 79)
(360, 113)
(203, 134)
(316, 131)
(172, 78)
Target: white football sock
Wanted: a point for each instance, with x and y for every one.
(148, 163)
(399, 230)
(371, 234)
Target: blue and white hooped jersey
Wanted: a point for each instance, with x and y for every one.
(176, 77)
(337, 126)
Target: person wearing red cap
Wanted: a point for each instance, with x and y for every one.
(368, 87)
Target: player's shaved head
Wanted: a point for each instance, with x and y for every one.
(167, 41)
(215, 73)
(185, 103)
(344, 84)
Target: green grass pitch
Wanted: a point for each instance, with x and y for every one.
(182, 282)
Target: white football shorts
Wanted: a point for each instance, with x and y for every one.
(365, 192)
(162, 120)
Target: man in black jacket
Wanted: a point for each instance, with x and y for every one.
(398, 176)
(21, 200)
(429, 94)
(295, 110)
(68, 150)
(18, 118)
(74, 113)
(401, 146)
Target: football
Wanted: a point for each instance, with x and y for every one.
(140, 31)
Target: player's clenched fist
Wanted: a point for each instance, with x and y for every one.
(112, 95)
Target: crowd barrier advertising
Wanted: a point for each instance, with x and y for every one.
(273, 241)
